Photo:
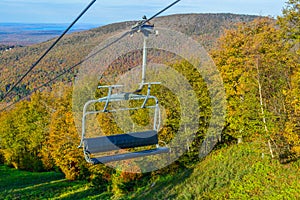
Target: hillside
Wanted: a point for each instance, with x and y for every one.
(205, 28)
(236, 172)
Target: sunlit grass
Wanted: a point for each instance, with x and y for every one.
(235, 172)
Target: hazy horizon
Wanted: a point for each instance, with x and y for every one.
(109, 11)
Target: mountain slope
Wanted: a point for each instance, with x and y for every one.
(205, 28)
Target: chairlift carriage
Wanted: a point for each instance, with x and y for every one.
(112, 143)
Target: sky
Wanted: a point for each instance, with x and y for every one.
(109, 11)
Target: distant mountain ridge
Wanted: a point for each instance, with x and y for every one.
(33, 33)
(208, 26)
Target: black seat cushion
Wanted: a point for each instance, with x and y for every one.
(120, 141)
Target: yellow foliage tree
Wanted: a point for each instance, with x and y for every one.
(254, 63)
(63, 138)
(292, 129)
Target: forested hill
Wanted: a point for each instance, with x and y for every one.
(205, 28)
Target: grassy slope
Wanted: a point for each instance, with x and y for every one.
(15, 184)
(236, 172)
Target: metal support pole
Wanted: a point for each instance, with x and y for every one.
(144, 60)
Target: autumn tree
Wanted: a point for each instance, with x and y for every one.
(254, 63)
(292, 129)
(290, 26)
(62, 143)
(23, 132)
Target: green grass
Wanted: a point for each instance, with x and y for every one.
(236, 172)
(16, 184)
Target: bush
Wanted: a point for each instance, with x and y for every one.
(124, 182)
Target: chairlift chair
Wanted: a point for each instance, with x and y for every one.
(95, 145)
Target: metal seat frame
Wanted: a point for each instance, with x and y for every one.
(121, 141)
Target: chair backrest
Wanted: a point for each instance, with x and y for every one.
(120, 141)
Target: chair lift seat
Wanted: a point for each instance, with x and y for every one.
(118, 157)
(122, 141)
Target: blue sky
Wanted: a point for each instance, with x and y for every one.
(108, 11)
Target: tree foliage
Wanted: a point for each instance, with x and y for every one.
(256, 67)
(23, 132)
(290, 24)
(292, 128)
(290, 27)
(63, 137)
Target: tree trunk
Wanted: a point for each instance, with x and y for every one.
(262, 108)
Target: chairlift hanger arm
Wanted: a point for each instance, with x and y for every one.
(143, 22)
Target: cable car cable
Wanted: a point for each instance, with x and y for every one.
(47, 51)
(72, 67)
(67, 71)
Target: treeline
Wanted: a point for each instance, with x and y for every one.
(7, 47)
(259, 64)
(39, 134)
